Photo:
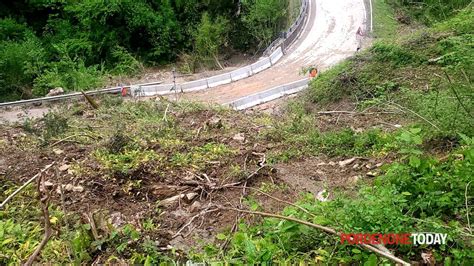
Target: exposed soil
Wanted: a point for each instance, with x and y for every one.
(133, 197)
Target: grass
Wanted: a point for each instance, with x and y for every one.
(422, 191)
(385, 24)
(135, 151)
(428, 72)
(126, 150)
(127, 154)
(418, 197)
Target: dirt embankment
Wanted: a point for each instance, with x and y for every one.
(174, 165)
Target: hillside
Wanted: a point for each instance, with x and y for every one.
(381, 143)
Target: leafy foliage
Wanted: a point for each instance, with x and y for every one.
(428, 72)
(75, 45)
(264, 18)
(424, 197)
(210, 37)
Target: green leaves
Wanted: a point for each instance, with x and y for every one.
(210, 38)
(264, 18)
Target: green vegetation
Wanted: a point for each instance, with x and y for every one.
(77, 45)
(418, 194)
(264, 18)
(385, 25)
(405, 104)
(430, 11)
(427, 74)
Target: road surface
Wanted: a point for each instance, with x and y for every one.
(329, 36)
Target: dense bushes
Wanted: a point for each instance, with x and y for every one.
(70, 44)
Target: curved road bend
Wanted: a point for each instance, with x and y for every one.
(328, 37)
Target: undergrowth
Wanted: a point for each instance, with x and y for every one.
(132, 148)
(427, 76)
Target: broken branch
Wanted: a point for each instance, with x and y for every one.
(91, 101)
(320, 227)
(25, 184)
(70, 137)
(192, 219)
(44, 201)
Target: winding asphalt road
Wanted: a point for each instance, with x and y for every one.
(328, 37)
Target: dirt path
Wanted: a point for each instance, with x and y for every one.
(329, 36)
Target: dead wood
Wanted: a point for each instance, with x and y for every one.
(91, 101)
(44, 201)
(320, 227)
(25, 184)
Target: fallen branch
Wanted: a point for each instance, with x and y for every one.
(401, 108)
(47, 225)
(90, 218)
(70, 137)
(466, 109)
(275, 198)
(320, 227)
(192, 219)
(212, 186)
(166, 112)
(91, 101)
(467, 207)
(353, 113)
(25, 184)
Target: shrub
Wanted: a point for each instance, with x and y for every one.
(20, 63)
(54, 124)
(70, 75)
(209, 39)
(431, 11)
(394, 54)
(124, 63)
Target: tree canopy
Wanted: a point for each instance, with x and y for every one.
(73, 44)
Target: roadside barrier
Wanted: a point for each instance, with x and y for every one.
(268, 95)
(271, 56)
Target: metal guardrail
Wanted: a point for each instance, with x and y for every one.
(60, 97)
(287, 37)
(273, 53)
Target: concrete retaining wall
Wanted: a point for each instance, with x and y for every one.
(151, 90)
(241, 73)
(195, 85)
(276, 55)
(275, 51)
(268, 95)
(219, 80)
